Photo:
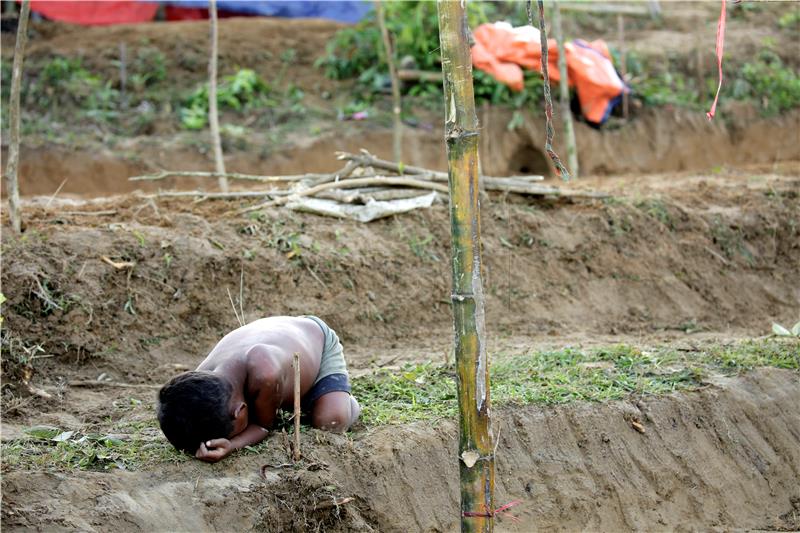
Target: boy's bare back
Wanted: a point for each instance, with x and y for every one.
(233, 397)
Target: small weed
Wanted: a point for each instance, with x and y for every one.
(140, 237)
(420, 247)
(658, 210)
(729, 240)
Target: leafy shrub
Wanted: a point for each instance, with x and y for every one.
(243, 90)
(769, 82)
(356, 52)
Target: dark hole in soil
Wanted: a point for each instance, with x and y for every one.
(528, 160)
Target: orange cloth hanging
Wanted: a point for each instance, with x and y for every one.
(502, 51)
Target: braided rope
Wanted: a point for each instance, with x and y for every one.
(561, 170)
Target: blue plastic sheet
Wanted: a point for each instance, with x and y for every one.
(350, 11)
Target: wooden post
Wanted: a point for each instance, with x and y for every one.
(213, 115)
(396, 102)
(476, 452)
(563, 85)
(12, 181)
(623, 67)
(296, 364)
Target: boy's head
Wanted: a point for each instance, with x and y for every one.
(194, 407)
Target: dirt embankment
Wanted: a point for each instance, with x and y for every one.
(725, 457)
(665, 140)
(687, 253)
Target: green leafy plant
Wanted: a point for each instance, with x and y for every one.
(356, 52)
(240, 91)
(768, 82)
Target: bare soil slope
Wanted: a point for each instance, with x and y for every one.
(726, 457)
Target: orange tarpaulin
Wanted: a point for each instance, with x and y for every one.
(501, 51)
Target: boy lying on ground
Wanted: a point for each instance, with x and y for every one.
(234, 395)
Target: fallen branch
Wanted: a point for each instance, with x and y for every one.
(365, 159)
(89, 213)
(218, 195)
(314, 177)
(349, 184)
(118, 265)
(95, 383)
(333, 502)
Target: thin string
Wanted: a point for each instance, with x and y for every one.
(561, 170)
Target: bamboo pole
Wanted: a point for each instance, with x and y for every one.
(296, 364)
(396, 103)
(461, 136)
(12, 180)
(213, 115)
(563, 85)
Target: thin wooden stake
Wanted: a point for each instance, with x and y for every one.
(622, 66)
(472, 365)
(563, 85)
(396, 103)
(12, 180)
(213, 115)
(296, 365)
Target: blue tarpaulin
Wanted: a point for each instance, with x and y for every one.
(340, 10)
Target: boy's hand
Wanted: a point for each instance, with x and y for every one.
(213, 450)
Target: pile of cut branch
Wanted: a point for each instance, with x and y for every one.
(365, 188)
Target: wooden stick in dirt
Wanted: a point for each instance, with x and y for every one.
(213, 115)
(118, 384)
(396, 103)
(472, 366)
(296, 365)
(622, 67)
(563, 85)
(12, 181)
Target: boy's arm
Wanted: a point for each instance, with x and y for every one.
(216, 449)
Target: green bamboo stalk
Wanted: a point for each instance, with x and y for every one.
(12, 181)
(476, 451)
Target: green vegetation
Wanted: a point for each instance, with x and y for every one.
(355, 52)
(428, 392)
(768, 82)
(243, 91)
(131, 438)
(129, 446)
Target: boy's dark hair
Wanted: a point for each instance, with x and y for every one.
(193, 408)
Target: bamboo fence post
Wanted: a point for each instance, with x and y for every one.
(12, 181)
(296, 365)
(213, 115)
(396, 103)
(563, 85)
(476, 451)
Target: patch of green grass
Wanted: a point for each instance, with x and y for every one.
(129, 445)
(428, 392)
(425, 392)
